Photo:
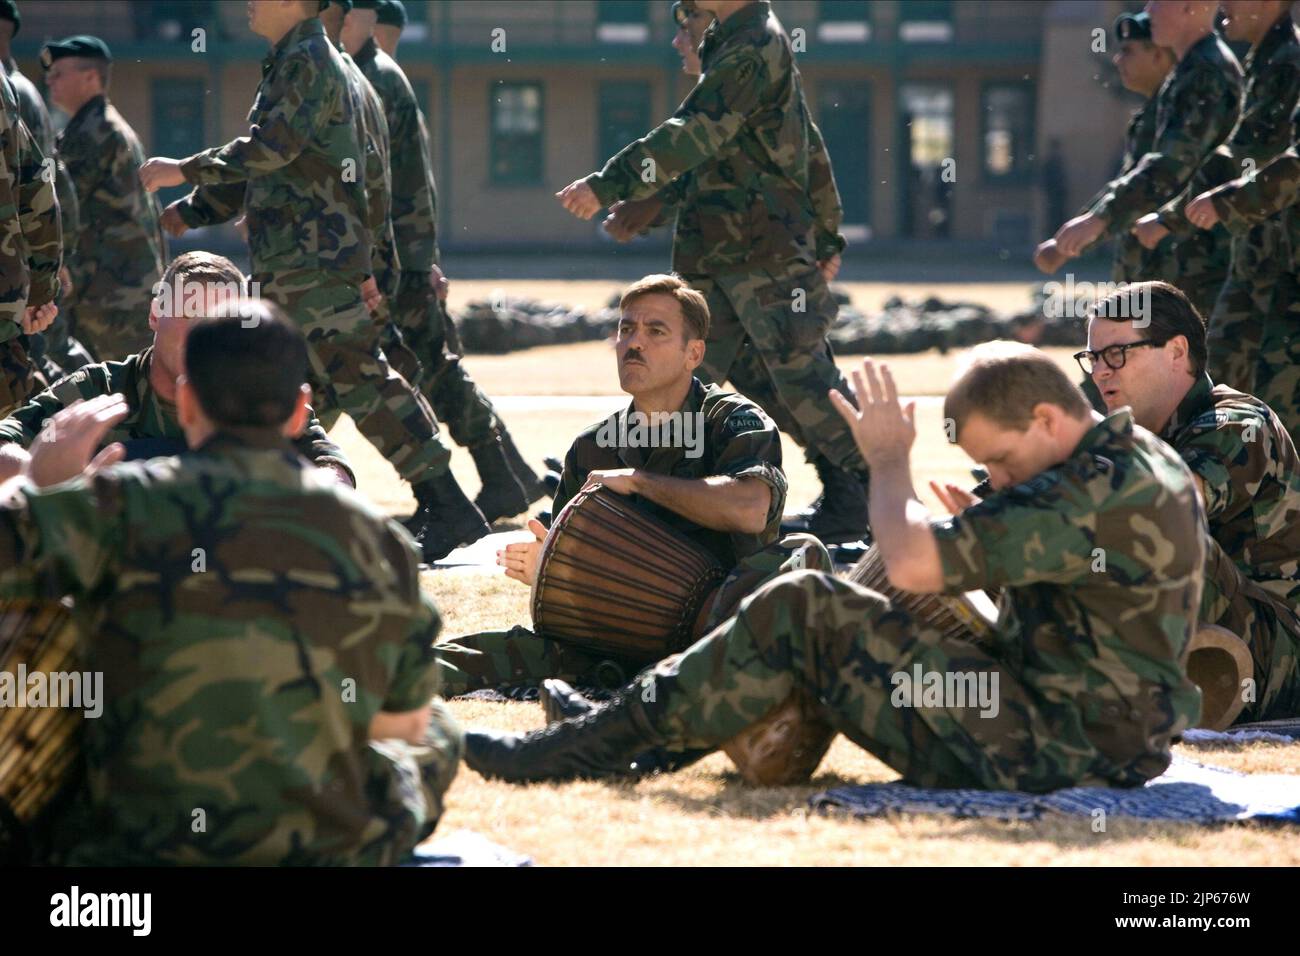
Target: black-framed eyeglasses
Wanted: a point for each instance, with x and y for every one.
(681, 15)
(1113, 355)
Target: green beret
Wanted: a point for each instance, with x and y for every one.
(366, 4)
(392, 13)
(1133, 26)
(345, 4)
(92, 48)
(9, 11)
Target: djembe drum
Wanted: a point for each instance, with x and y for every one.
(38, 745)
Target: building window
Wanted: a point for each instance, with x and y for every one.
(417, 21)
(925, 21)
(623, 21)
(172, 19)
(844, 21)
(1008, 121)
(928, 164)
(516, 125)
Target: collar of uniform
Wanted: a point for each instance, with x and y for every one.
(1278, 35)
(92, 105)
(11, 66)
(1198, 400)
(1118, 424)
(311, 27)
(367, 52)
(636, 456)
(747, 15)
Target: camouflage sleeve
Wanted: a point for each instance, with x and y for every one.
(1198, 119)
(69, 208)
(712, 114)
(572, 478)
(825, 197)
(59, 540)
(1014, 537)
(414, 213)
(1249, 200)
(1230, 458)
(295, 105)
(212, 205)
(25, 422)
(13, 263)
(749, 446)
(314, 444)
(416, 676)
(38, 210)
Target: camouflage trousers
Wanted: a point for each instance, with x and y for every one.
(350, 372)
(518, 657)
(1235, 331)
(429, 358)
(19, 377)
(1277, 375)
(110, 335)
(408, 785)
(847, 648)
(1270, 629)
(767, 335)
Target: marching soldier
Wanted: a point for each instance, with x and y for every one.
(311, 251)
(119, 248)
(419, 312)
(1196, 109)
(747, 234)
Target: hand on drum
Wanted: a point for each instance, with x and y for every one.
(955, 499)
(63, 448)
(882, 428)
(520, 559)
(620, 480)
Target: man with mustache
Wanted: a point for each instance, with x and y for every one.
(726, 493)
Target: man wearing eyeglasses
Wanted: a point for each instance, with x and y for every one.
(1147, 350)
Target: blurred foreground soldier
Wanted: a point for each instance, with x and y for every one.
(1196, 109)
(119, 250)
(724, 489)
(1142, 68)
(1084, 683)
(52, 345)
(738, 158)
(31, 243)
(236, 684)
(1248, 301)
(1259, 209)
(391, 20)
(194, 285)
(419, 310)
(1147, 350)
(311, 251)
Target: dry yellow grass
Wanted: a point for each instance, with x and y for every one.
(705, 815)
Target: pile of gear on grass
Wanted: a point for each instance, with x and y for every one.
(903, 326)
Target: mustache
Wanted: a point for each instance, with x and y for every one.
(631, 357)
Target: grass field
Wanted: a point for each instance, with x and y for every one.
(705, 814)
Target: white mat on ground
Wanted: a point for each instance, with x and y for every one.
(1269, 731)
(466, 848)
(481, 556)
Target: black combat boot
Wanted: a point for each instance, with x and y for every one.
(601, 743)
(501, 495)
(444, 518)
(839, 515)
(561, 702)
(528, 479)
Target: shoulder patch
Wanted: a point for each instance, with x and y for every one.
(745, 420)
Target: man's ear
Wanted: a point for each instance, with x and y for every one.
(188, 411)
(694, 353)
(297, 422)
(1049, 416)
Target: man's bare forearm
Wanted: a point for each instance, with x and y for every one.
(900, 524)
(720, 503)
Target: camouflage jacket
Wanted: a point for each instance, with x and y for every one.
(37, 118)
(743, 134)
(291, 172)
(369, 109)
(31, 248)
(152, 425)
(120, 249)
(1133, 262)
(239, 680)
(733, 437)
(1264, 130)
(1196, 109)
(1100, 558)
(1250, 474)
(415, 196)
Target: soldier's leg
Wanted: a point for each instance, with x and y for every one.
(19, 377)
(1277, 376)
(847, 647)
(111, 335)
(792, 552)
(1234, 332)
(518, 657)
(787, 315)
(726, 335)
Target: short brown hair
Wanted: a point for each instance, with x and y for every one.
(695, 309)
(1004, 381)
(1167, 314)
(202, 268)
